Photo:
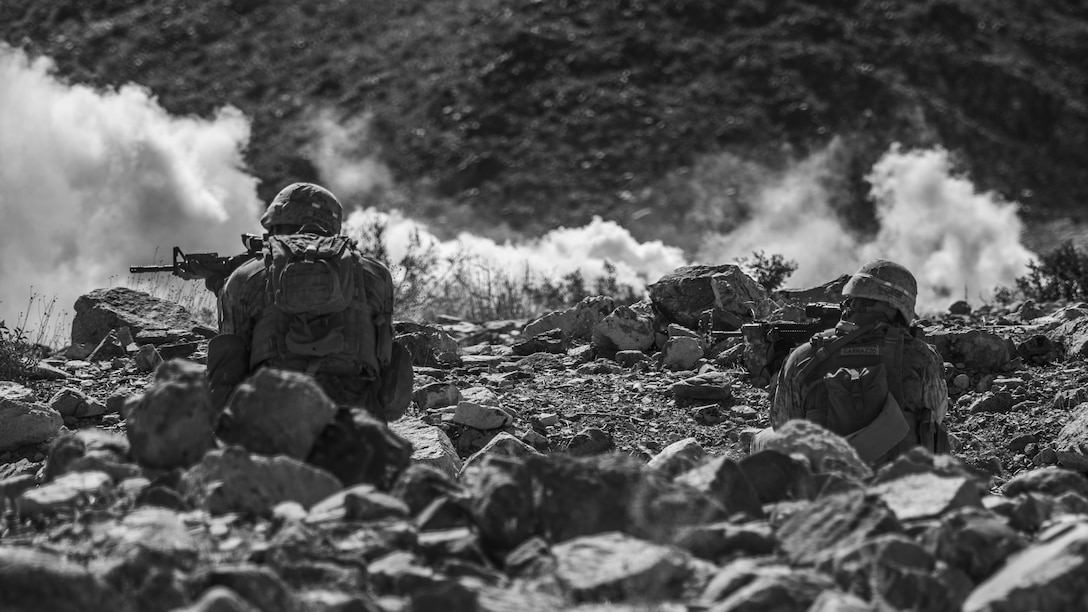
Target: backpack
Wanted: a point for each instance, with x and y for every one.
(852, 386)
(317, 316)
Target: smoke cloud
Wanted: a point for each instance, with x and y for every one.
(94, 181)
(957, 242)
(559, 252)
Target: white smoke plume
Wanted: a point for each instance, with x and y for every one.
(346, 157)
(94, 181)
(559, 252)
(957, 242)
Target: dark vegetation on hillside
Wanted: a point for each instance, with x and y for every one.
(540, 113)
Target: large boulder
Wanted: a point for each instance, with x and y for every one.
(574, 323)
(233, 480)
(683, 295)
(974, 348)
(170, 425)
(829, 292)
(278, 412)
(103, 310)
(24, 420)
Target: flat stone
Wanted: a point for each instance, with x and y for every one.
(63, 494)
(359, 503)
(716, 541)
(614, 566)
(430, 445)
(233, 480)
(927, 495)
(678, 457)
(436, 395)
(478, 416)
(711, 386)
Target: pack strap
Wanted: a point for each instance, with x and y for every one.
(823, 353)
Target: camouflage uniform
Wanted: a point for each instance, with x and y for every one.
(925, 394)
(244, 300)
(242, 304)
(881, 297)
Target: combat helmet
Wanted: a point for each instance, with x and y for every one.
(304, 204)
(885, 281)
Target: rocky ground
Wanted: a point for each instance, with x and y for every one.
(593, 459)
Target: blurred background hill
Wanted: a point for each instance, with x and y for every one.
(530, 115)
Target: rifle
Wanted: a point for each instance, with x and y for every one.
(767, 344)
(208, 266)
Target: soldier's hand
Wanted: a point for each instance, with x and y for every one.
(215, 283)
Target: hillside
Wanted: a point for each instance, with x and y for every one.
(538, 114)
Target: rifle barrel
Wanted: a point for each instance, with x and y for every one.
(143, 269)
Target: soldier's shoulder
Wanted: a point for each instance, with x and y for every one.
(922, 349)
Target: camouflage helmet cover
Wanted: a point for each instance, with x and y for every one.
(885, 281)
(304, 204)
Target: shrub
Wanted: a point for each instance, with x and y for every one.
(1061, 274)
(472, 288)
(20, 349)
(770, 272)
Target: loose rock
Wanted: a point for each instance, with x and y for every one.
(25, 421)
(171, 424)
(826, 451)
(430, 445)
(278, 412)
(1048, 575)
(616, 567)
(232, 480)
